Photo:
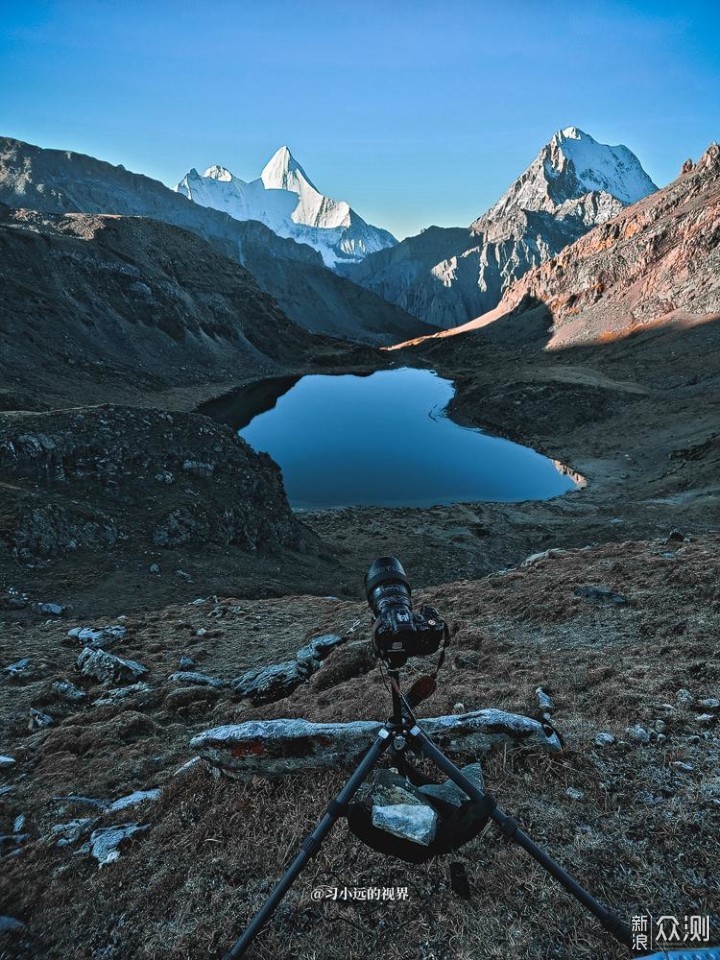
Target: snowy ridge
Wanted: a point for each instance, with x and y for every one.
(598, 166)
(567, 168)
(448, 276)
(286, 200)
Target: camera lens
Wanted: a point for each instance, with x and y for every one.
(386, 583)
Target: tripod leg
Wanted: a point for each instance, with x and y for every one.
(612, 923)
(311, 844)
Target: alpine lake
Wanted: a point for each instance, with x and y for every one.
(383, 439)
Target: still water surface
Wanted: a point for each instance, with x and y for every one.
(386, 440)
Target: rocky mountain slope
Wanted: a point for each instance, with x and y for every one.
(285, 200)
(448, 276)
(108, 501)
(656, 262)
(95, 307)
(55, 181)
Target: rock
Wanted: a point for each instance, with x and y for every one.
(154, 568)
(16, 603)
(711, 703)
(639, 734)
(188, 766)
(649, 799)
(198, 468)
(52, 609)
(660, 726)
(574, 793)
(545, 701)
(108, 668)
(39, 720)
(73, 830)
(276, 747)
(600, 595)
(186, 662)
(19, 823)
(68, 691)
(322, 645)
(675, 536)
(416, 822)
(184, 575)
(20, 670)
(682, 766)
(450, 792)
(122, 693)
(534, 558)
(481, 730)
(604, 740)
(459, 707)
(267, 684)
(705, 719)
(201, 632)
(11, 925)
(198, 679)
(315, 651)
(389, 788)
(11, 844)
(76, 798)
(178, 529)
(133, 799)
(185, 698)
(7, 762)
(97, 638)
(105, 841)
(684, 696)
(305, 656)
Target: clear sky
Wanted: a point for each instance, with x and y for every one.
(415, 112)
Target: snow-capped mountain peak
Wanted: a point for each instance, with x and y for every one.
(283, 172)
(218, 173)
(286, 200)
(569, 167)
(600, 167)
(572, 133)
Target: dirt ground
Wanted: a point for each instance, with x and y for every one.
(641, 834)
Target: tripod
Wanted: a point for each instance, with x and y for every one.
(401, 730)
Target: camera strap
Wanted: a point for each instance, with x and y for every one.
(443, 648)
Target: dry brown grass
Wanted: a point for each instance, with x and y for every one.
(643, 838)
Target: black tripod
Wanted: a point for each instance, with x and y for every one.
(401, 730)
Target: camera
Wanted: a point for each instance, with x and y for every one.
(399, 632)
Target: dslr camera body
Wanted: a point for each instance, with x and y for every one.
(399, 632)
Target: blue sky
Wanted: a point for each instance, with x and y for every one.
(415, 112)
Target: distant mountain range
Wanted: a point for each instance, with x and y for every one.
(59, 181)
(447, 276)
(285, 200)
(655, 264)
(287, 234)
